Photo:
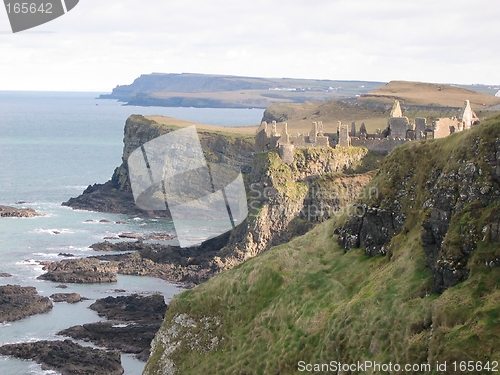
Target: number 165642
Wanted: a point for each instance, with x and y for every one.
(25, 8)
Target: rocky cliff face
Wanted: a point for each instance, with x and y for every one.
(115, 196)
(287, 200)
(449, 189)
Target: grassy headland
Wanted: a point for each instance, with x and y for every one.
(309, 300)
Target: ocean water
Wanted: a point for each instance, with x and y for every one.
(53, 145)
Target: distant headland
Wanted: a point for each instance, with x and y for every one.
(224, 91)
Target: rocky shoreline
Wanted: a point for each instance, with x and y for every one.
(67, 357)
(81, 271)
(132, 324)
(185, 267)
(18, 302)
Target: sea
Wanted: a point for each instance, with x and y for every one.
(52, 146)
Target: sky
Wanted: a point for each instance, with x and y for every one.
(103, 43)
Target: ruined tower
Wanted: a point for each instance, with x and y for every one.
(467, 117)
(397, 122)
(344, 138)
(396, 110)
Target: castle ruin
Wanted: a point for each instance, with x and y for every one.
(445, 126)
(399, 130)
(270, 139)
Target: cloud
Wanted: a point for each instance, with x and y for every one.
(103, 43)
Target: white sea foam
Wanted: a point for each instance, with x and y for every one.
(29, 262)
(57, 232)
(47, 255)
(60, 249)
(33, 266)
(75, 187)
(36, 369)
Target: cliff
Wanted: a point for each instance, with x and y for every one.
(288, 200)
(416, 280)
(448, 189)
(115, 196)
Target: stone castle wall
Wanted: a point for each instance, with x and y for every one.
(270, 139)
(443, 126)
(399, 126)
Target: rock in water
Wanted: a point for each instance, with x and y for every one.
(136, 320)
(85, 270)
(131, 308)
(134, 236)
(129, 337)
(67, 357)
(67, 297)
(17, 302)
(6, 211)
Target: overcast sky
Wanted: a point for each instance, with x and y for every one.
(103, 43)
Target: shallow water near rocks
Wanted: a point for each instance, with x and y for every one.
(52, 146)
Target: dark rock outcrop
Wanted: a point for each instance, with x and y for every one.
(6, 211)
(107, 246)
(186, 266)
(5, 274)
(108, 197)
(131, 308)
(85, 270)
(18, 302)
(134, 338)
(135, 321)
(370, 228)
(67, 357)
(133, 236)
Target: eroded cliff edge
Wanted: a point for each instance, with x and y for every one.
(115, 196)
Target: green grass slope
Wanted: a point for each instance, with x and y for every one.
(309, 300)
